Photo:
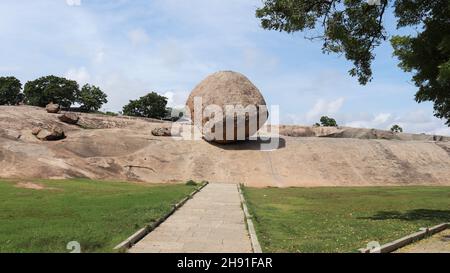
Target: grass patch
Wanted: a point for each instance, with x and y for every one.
(98, 215)
(342, 219)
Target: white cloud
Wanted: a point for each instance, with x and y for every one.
(73, 2)
(323, 107)
(255, 58)
(441, 131)
(417, 122)
(380, 121)
(382, 118)
(9, 68)
(172, 54)
(176, 99)
(99, 56)
(138, 37)
(81, 75)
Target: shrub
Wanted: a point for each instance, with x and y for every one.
(191, 183)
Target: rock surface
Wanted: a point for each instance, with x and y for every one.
(124, 149)
(358, 133)
(10, 134)
(227, 88)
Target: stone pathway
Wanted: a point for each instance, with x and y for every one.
(211, 222)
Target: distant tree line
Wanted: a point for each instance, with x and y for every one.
(51, 89)
(67, 93)
(326, 121)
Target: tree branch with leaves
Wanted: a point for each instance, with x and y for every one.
(354, 28)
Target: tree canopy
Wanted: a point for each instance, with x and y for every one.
(151, 105)
(48, 89)
(355, 28)
(10, 91)
(427, 54)
(328, 122)
(91, 98)
(396, 129)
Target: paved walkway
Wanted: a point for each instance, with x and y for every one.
(213, 221)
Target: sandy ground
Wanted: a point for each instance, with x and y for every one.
(124, 149)
(439, 243)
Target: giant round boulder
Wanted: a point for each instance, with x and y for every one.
(227, 90)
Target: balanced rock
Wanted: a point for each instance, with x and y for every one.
(52, 108)
(69, 118)
(228, 89)
(56, 133)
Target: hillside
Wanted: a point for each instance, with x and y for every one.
(121, 148)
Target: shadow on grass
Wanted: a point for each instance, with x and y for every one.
(413, 215)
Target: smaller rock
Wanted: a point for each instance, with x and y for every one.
(53, 108)
(70, 118)
(161, 132)
(56, 133)
(35, 131)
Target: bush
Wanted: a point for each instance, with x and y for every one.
(10, 88)
(191, 183)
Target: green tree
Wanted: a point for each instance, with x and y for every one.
(10, 88)
(151, 105)
(328, 122)
(396, 129)
(91, 98)
(427, 54)
(48, 89)
(350, 27)
(355, 28)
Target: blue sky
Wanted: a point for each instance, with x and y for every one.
(132, 47)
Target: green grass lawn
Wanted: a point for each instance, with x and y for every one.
(342, 219)
(98, 215)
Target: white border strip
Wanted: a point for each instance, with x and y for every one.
(251, 228)
(412, 238)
